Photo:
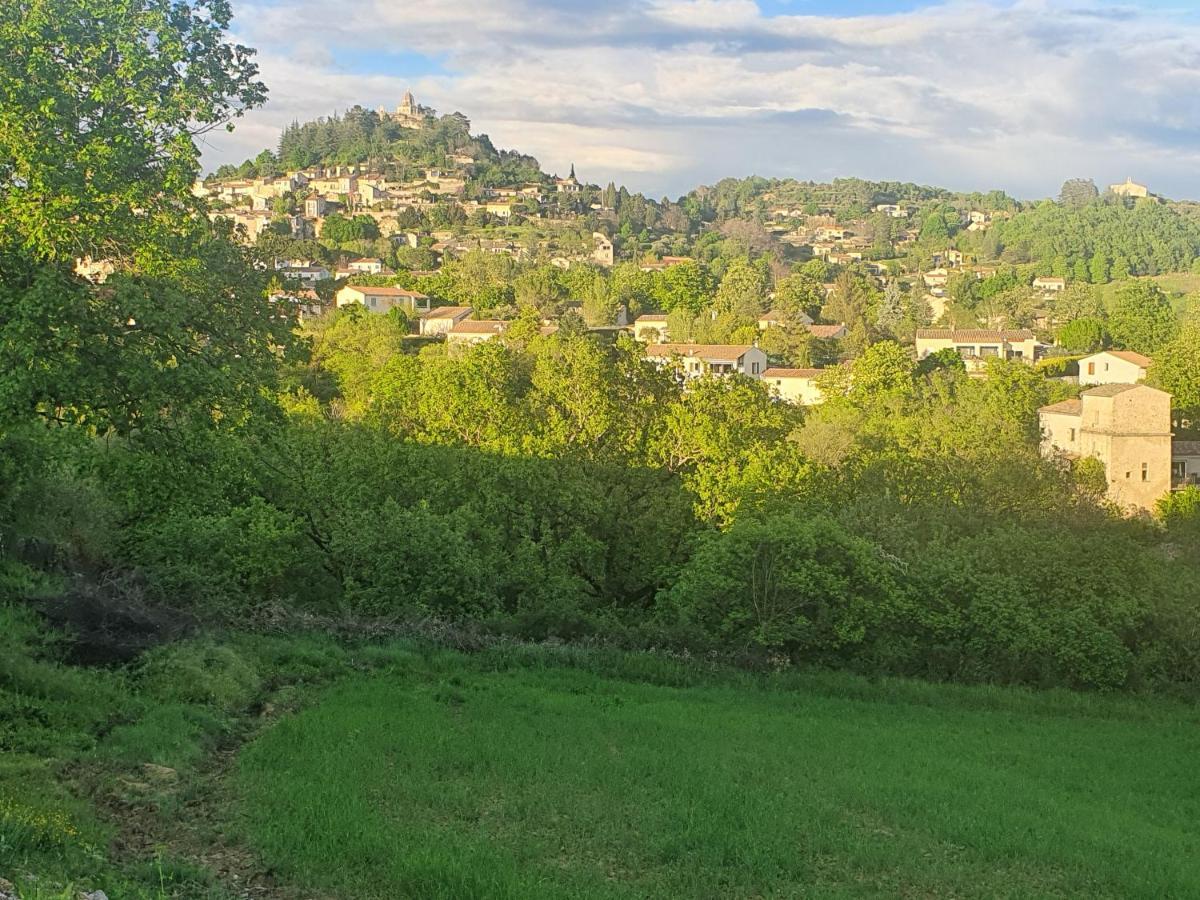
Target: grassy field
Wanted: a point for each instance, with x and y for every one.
(442, 776)
(1179, 286)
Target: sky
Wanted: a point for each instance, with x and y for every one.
(665, 95)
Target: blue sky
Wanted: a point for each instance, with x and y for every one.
(662, 95)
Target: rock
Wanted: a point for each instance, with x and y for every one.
(94, 895)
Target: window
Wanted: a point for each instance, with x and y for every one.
(1145, 471)
(753, 368)
(1091, 368)
(1072, 435)
(1106, 367)
(1178, 469)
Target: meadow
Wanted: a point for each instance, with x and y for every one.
(563, 775)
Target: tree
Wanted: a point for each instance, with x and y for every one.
(1141, 318)
(1176, 368)
(97, 159)
(1084, 335)
(1078, 192)
(743, 290)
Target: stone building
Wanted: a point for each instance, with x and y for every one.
(1127, 427)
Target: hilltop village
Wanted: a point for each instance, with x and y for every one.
(407, 213)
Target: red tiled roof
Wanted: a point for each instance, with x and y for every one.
(447, 312)
(479, 326)
(974, 334)
(1064, 407)
(386, 291)
(775, 372)
(700, 351)
(651, 317)
(826, 331)
(1129, 356)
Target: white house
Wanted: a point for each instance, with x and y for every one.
(694, 360)
(1113, 367)
(794, 385)
(366, 265)
(383, 299)
(1048, 285)
(442, 319)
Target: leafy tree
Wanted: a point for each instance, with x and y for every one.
(1141, 318)
(1085, 335)
(97, 159)
(1078, 192)
(1176, 368)
(742, 291)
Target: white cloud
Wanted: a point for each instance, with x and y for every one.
(662, 94)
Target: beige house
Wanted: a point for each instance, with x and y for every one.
(474, 331)
(936, 277)
(651, 328)
(975, 345)
(442, 319)
(1127, 427)
(383, 299)
(1129, 188)
(695, 360)
(1113, 367)
(602, 249)
(794, 385)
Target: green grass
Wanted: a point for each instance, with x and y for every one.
(1179, 286)
(540, 776)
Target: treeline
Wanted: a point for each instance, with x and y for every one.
(560, 487)
(1105, 240)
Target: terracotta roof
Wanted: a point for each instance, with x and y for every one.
(974, 334)
(479, 326)
(1111, 390)
(653, 317)
(826, 331)
(775, 372)
(700, 351)
(447, 312)
(1129, 356)
(370, 259)
(1064, 407)
(384, 291)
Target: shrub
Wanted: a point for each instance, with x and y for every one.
(200, 672)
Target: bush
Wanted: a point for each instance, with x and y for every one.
(803, 585)
(200, 672)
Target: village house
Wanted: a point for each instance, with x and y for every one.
(651, 328)
(828, 332)
(568, 185)
(892, 210)
(936, 277)
(978, 221)
(794, 385)
(474, 331)
(602, 249)
(442, 319)
(976, 345)
(695, 360)
(1127, 427)
(315, 207)
(500, 210)
(1185, 464)
(1129, 188)
(1113, 367)
(383, 299)
(1049, 285)
(366, 265)
(305, 273)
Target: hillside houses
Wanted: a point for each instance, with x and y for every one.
(383, 299)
